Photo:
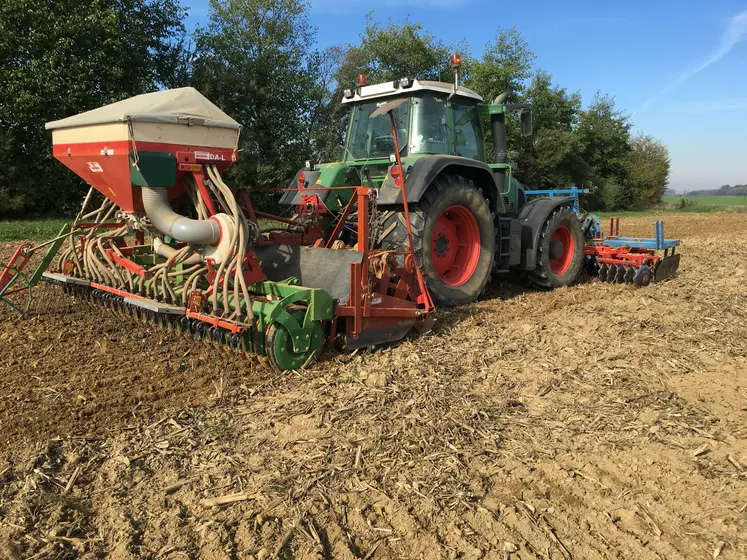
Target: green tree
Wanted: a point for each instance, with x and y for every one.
(64, 57)
(603, 136)
(395, 50)
(385, 52)
(649, 170)
(253, 61)
(328, 118)
(504, 67)
(549, 158)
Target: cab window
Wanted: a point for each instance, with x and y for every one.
(372, 138)
(429, 127)
(467, 135)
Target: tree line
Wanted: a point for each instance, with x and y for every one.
(723, 190)
(258, 61)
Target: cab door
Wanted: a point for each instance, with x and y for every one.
(468, 139)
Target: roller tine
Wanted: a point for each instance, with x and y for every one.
(168, 342)
(214, 360)
(225, 373)
(233, 363)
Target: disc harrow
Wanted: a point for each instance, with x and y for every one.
(631, 260)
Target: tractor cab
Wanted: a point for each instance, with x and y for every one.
(436, 119)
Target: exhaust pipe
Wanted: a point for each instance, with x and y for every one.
(498, 125)
(500, 143)
(168, 222)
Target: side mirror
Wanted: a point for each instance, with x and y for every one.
(526, 123)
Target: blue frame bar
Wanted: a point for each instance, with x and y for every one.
(658, 242)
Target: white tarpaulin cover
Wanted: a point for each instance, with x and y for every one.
(182, 106)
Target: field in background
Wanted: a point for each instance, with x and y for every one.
(42, 229)
(720, 201)
(688, 204)
(31, 230)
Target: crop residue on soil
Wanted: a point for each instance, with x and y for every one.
(598, 421)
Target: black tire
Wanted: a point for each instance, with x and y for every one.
(552, 270)
(445, 192)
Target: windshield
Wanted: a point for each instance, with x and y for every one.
(372, 138)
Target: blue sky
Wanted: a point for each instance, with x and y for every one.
(678, 67)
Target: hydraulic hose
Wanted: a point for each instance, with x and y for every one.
(168, 222)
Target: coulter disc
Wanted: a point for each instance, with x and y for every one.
(611, 273)
(620, 275)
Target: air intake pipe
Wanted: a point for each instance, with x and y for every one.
(168, 222)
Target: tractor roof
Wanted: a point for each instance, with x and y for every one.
(389, 89)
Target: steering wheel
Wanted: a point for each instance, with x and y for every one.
(383, 143)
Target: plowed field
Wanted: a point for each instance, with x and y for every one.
(597, 421)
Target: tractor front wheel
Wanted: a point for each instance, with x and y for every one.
(560, 252)
(454, 235)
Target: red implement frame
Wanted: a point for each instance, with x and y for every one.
(17, 262)
(625, 256)
(386, 286)
(392, 293)
(620, 255)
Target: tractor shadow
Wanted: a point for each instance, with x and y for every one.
(508, 287)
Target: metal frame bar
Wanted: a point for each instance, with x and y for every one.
(658, 242)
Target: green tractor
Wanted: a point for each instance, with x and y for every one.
(470, 218)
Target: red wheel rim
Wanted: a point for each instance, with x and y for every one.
(562, 248)
(455, 246)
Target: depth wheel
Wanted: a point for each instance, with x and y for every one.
(279, 347)
(560, 253)
(454, 235)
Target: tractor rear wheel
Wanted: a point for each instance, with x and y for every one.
(454, 235)
(560, 252)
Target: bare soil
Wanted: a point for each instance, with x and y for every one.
(598, 421)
